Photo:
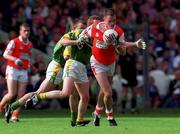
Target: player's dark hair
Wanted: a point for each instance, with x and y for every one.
(109, 12)
(76, 21)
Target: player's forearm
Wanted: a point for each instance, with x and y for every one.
(128, 44)
(69, 42)
(139, 44)
(8, 56)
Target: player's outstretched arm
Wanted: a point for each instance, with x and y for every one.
(66, 42)
(139, 43)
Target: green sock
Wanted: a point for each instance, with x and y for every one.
(73, 116)
(15, 105)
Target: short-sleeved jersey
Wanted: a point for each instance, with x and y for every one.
(79, 53)
(20, 50)
(103, 52)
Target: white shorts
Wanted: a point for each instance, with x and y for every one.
(75, 69)
(54, 72)
(100, 68)
(20, 75)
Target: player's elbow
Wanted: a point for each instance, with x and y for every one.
(5, 55)
(63, 42)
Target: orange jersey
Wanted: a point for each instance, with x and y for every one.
(19, 50)
(103, 53)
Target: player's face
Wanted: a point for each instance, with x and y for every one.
(96, 21)
(80, 26)
(24, 32)
(91, 21)
(110, 21)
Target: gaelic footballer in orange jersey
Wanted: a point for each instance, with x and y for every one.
(17, 54)
(103, 60)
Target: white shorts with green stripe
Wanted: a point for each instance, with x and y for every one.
(54, 72)
(75, 69)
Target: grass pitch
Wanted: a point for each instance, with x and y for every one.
(161, 121)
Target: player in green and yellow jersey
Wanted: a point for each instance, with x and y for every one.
(74, 73)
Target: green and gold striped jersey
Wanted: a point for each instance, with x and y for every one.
(79, 53)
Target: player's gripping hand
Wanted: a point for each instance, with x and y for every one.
(114, 40)
(18, 62)
(82, 40)
(140, 44)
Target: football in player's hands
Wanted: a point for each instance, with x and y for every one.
(110, 37)
(18, 62)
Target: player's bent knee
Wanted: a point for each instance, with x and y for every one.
(11, 96)
(108, 94)
(85, 97)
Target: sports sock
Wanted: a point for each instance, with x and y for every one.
(15, 114)
(109, 114)
(42, 96)
(98, 110)
(1, 107)
(73, 116)
(80, 119)
(15, 105)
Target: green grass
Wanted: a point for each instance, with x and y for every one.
(161, 121)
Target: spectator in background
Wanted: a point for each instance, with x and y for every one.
(153, 93)
(172, 98)
(160, 43)
(52, 43)
(176, 60)
(38, 66)
(12, 34)
(175, 22)
(27, 10)
(42, 75)
(161, 81)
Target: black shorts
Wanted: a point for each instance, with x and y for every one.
(131, 83)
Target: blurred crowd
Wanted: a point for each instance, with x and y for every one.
(158, 21)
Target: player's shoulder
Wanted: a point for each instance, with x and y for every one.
(14, 42)
(77, 31)
(118, 29)
(67, 35)
(15, 39)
